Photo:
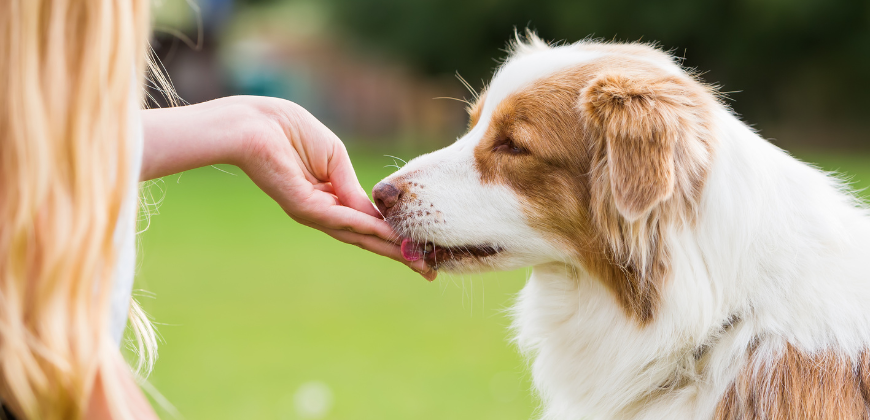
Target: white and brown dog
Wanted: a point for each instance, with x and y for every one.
(684, 268)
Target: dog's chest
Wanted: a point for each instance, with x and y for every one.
(590, 359)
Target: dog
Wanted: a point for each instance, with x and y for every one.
(683, 267)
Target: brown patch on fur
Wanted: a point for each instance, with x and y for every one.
(799, 386)
(617, 133)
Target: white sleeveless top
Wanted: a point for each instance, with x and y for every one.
(125, 231)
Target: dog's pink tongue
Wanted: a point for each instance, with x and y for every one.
(410, 250)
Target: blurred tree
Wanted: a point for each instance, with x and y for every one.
(791, 59)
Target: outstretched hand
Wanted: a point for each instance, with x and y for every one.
(304, 167)
(287, 152)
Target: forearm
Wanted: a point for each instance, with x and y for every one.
(182, 138)
(287, 152)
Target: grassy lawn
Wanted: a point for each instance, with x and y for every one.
(265, 319)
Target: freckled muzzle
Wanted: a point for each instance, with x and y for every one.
(387, 197)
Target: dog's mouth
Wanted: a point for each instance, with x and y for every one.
(436, 255)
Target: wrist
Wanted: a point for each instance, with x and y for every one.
(238, 123)
(265, 126)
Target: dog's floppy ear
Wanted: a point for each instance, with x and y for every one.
(650, 149)
(636, 121)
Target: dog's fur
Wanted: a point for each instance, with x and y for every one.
(684, 268)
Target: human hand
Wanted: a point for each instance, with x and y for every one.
(304, 167)
(287, 152)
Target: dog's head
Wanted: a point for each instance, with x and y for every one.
(585, 153)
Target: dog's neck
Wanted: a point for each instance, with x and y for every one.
(588, 351)
(777, 237)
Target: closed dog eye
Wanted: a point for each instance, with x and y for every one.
(507, 145)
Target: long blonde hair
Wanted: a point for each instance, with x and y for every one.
(68, 69)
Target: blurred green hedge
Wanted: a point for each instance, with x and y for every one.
(783, 60)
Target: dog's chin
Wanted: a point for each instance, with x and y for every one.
(451, 258)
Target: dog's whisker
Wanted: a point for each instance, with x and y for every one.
(397, 158)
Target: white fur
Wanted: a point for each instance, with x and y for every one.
(778, 242)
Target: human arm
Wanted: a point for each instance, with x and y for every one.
(288, 153)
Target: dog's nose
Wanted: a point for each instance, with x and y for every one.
(386, 196)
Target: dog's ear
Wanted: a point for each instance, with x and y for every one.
(650, 150)
(636, 122)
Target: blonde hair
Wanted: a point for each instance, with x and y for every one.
(68, 69)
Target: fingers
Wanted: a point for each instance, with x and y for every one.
(345, 218)
(322, 208)
(346, 185)
(324, 186)
(323, 192)
(324, 159)
(380, 247)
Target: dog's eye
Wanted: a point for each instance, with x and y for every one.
(507, 145)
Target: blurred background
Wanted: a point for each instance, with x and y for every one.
(263, 318)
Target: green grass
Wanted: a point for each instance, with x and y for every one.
(252, 306)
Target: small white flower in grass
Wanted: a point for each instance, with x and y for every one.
(313, 400)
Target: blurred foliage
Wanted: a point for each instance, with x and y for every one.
(792, 59)
(173, 14)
